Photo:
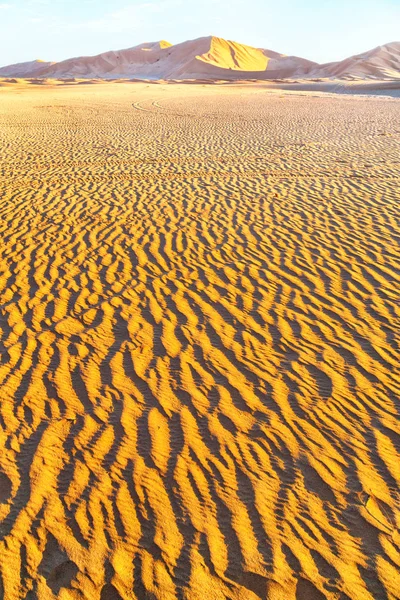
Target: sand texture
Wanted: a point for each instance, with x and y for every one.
(199, 328)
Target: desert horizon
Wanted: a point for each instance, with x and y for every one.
(211, 57)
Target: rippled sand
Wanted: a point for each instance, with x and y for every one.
(199, 334)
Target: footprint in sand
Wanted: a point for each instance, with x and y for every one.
(306, 590)
(109, 592)
(5, 487)
(56, 567)
(62, 575)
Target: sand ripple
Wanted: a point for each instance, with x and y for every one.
(199, 332)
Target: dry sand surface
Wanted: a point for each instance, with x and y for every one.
(199, 336)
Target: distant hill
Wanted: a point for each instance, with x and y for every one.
(210, 58)
(24, 69)
(382, 62)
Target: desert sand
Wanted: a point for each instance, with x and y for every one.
(212, 58)
(206, 57)
(199, 329)
(382, 62)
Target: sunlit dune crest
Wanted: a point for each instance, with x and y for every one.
(199, 342)
(211, 58)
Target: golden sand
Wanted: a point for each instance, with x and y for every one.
(199, 334)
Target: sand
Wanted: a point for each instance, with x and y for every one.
(382, 62)
(199, 335)
(206, 57)
(214, 58)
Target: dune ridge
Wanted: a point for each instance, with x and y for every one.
(382, 62)
(30, 68)
(212, 58)
(199, 344)
(204, 57)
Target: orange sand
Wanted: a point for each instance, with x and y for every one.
(199, 334)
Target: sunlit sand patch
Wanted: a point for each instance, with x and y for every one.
(199, 343)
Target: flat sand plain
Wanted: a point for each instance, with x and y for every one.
(199, 334)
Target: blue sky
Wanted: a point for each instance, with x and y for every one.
(321, 30)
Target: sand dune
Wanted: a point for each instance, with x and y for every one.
(212, 58)
(24, 69)
(204, 57)
(382, 62)
(199, 338)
